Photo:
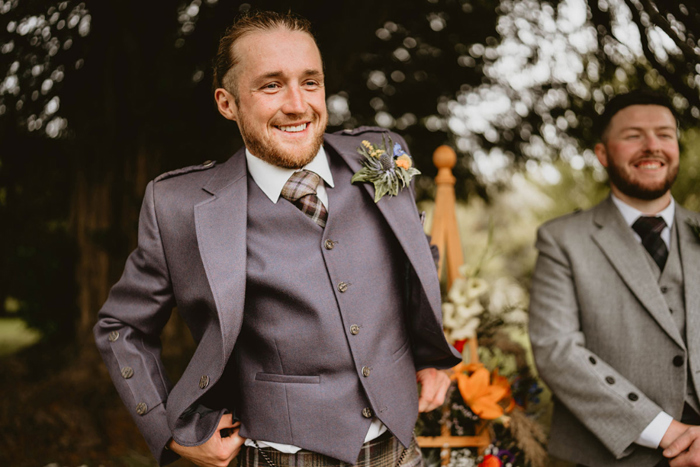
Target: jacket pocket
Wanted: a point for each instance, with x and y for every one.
(402, 350)
(298, 379)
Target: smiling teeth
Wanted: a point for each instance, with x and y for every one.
(294, 129)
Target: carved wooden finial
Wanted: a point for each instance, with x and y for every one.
(444, 157)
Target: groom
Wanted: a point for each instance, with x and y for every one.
(615, 304)
(315, 310)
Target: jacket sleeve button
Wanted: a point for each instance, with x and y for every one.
(127, 372)
(113, 336)
(141, 408)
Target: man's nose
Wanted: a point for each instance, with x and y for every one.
(652, 143)
(294, 103)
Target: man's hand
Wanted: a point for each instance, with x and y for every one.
(434, 385)
(681, 445)
(217, 451)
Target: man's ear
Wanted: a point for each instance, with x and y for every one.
(226, 104)
(602, 154)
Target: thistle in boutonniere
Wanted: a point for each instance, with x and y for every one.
(695, 227)
(387, 167)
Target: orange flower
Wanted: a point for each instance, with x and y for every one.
(482, 397)
(404, 162)
(502, 381)
(491, 461)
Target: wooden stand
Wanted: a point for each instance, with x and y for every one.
(445, 235)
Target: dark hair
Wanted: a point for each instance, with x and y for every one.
(225, 58)
(635, 97)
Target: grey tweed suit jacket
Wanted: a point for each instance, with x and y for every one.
(192, 254)
(603, 337)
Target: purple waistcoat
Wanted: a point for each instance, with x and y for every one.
(324, 344)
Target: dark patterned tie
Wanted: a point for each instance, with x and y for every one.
(649, 229)
(300, 189)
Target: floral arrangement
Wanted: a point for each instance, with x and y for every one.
(496, 394)
(387, 166)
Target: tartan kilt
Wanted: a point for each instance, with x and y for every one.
(383, 451)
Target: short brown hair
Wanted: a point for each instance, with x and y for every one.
(635, 97)
(225, 59)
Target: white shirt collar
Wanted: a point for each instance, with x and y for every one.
(271, 179)
(631, 214)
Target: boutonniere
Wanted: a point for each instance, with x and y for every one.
(388, 167)
(694, 226)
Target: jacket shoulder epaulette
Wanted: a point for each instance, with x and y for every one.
(185, 170)
(361, 130)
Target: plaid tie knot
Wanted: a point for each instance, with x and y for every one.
(300, 189)
(649, 229)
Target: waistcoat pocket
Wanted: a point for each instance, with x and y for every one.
(298, 379)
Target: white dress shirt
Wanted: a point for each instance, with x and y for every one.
(655, 431)
(271, 179)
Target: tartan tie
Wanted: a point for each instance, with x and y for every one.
(300, 189)
(649, 229)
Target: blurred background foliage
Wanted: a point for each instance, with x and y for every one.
(97, 97)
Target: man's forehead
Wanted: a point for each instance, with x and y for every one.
(259, 48)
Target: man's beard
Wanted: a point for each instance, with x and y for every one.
(266, 150)
(640, 190)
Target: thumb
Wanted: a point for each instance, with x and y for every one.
(226, 421)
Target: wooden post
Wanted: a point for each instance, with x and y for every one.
(445, 232)
(445, 235)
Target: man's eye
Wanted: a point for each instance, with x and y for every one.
(271, 86)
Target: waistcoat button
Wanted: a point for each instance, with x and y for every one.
(141, 409)
(664, 289)
(367, 412)
(113, 336)
(343, 287)
(127, 372)
(366, 371)
(592, 360)
(633, 397)
(610, 380)
(354, 329)
(328, 244)
(203, 382)
(678, 360)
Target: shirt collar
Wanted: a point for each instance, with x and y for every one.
(271, 179)
(631, 214)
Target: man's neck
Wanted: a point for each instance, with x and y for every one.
(646, 206)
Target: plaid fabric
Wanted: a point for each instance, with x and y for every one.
(384, 451)
(300, 189)
(649, 229)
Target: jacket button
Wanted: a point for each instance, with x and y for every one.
(343, 287)
(203, 382)
(678, 360)
(610, 380)
(328, 244)
(207, 164)
(592, 360)
(366, 371)
(127, 372)
(367, 412)
(141, 409)
(354, 329)
(113, 336)
(633, 397)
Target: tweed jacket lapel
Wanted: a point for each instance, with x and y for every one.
(402, 216)
(221, 235)
(626, 255)
(689, 246)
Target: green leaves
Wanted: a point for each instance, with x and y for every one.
(387, 167)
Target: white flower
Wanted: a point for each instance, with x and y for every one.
(464, 291)
(467, 331)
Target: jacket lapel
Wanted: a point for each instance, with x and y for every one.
(221, 235)
(626, 255)
(689, 248)
(402, 216)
